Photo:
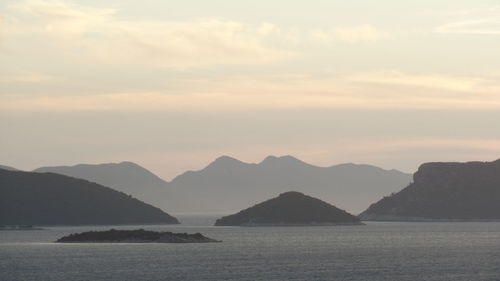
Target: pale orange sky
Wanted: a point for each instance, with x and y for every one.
(173, 85)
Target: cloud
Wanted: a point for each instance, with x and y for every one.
(27, 77)
(479, 26)
(360, 33)
(435, 81)
(61, 16)
(376, 90)
(479, 21)
(98, 36)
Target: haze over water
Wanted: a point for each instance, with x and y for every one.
(377, 251)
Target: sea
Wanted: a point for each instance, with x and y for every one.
(377, 251)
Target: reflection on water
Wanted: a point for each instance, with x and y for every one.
(377, 251)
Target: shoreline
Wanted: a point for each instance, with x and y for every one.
(371, 218)
(296, 224)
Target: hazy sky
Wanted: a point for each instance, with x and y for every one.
(171, 85)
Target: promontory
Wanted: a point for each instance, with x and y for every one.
(444, 192)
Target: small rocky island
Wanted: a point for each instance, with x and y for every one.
(134, 236)
(290, 209)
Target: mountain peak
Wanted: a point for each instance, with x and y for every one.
(129, 164)
(286, 159)
(291, 193)
(272, 158)
(224, 161)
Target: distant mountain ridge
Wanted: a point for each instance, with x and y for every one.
(8, 168)
(126, 177)
(444, 191)
(28, 198)
(228, 184)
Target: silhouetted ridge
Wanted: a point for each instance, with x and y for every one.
(227, 184)
(286, 161)
(289, 208)
(444, 191)
(126, 176)
(225, 161)
(52, 199)
(8, 168)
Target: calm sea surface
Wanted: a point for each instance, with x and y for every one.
(377, 251)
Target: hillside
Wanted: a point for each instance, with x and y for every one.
(444, 191)
(126, 177)
(28, 198)
(289, 208)
(8, 168)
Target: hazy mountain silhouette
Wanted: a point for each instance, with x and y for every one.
(449, 191)
(289, 208)
(126, 177)
(227, 184)
(51, 199)
(8, 168)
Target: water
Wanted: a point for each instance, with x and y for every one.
(377, 251)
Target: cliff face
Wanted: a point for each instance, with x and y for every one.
(444, 191)
(51, 199)
(289, 208)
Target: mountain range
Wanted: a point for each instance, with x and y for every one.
(227, 184)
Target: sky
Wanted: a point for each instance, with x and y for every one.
(172, 85)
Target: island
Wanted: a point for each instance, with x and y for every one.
(290, 209)
(134, 236)
(444, 191)
(28, 198)
(20, 227)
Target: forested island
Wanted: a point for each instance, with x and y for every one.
(290, 209)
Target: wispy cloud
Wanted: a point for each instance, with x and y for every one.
(478, 26)
(99, 36)
(480, 21)
(26, 77)
(360, 33)
(376, 90)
